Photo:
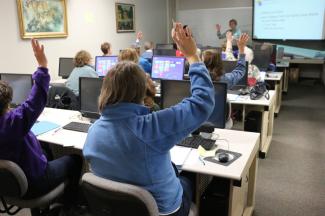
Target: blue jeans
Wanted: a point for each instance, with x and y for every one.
(57, 171)
(187, 197)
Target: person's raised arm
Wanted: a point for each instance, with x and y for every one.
(165, 128)
(234, 77)
(138, 39)
(220, 36)
(23, 117)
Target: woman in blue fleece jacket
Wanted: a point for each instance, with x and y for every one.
(213, 61)
(130, 145)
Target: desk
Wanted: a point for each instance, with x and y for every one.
(285, 65)
(278, 82)
(267, 108)
(59, 82)
(241, 174)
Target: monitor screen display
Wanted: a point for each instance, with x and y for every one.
(89, 91)
(66, 66)
(174, 91)
(104, 64)
(21, 85)
(170, 68)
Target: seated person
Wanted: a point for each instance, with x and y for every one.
(106, 49)
(148, 53)
(82, 68)
(213, 61)
(19, 145)
(132, 55)
(130, 145)
(253, 71)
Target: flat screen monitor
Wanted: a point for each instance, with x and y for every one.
(104, 64)
(175, 91)
(165, 46)
(166, 67)
(21, 85)
(66, 66)
(164, 52)
(229, 66)
(89, 91)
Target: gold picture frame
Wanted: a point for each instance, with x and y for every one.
(125, 17)
(42, 18)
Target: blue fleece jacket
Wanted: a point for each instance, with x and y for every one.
(128, 144)
(237, 74)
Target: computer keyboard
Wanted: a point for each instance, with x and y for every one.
(77, 126)
(196, 141)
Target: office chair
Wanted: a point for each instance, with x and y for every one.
(13, 187)
(110, 198)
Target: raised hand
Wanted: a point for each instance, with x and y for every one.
(218, 27)
(185, 42)
(39, 53)
(241, 42)
(229, 36)
(139, 35)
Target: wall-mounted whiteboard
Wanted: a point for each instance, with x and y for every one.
(203, 22)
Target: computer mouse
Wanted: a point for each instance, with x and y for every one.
(223, 157)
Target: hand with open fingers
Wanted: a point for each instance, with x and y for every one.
(139, 35)
(218, 27)
(242, 41)
(185, 42)
(39, 53)
(229, 36)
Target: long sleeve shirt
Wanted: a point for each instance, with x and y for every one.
(17, 142)
(128, 144)
(236, 33)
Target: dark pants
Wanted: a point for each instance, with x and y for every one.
(57, 171)
(186, 199)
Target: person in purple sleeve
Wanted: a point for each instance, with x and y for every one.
(20, 145)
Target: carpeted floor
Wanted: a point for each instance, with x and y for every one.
(291, 180)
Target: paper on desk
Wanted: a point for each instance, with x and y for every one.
(43, 127)
(232, 97)
(179, 155)
(204, 153)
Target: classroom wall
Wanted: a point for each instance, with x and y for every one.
(90, 22)
(207, 4)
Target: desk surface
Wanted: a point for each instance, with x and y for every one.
(245, 100)
(276, 76)
(245, 143)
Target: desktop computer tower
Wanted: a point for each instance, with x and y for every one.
(215, 199)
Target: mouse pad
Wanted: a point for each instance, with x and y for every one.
(233, 156)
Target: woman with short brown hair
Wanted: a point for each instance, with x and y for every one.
(83, 68)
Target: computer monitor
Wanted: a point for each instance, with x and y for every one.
(169, 68)
(262, 59)
(104, 64)
(229, 66)
(164, 52)
(165, 46)
(174, 91)
(21, 85)
(89, 91)
(66, 66)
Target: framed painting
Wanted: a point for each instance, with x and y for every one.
(42, 18)
(125, 17)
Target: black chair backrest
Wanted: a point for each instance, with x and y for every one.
(109, 198)
(13, 182)
(61, 97)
